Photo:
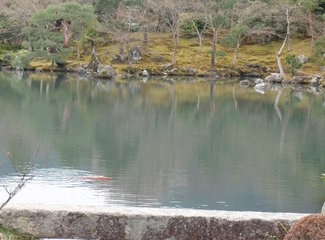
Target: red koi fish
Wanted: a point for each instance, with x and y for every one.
(95, 178)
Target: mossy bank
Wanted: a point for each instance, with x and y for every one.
(254, 60)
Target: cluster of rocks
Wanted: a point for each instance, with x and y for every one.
(275, 79)
(165, 70)
(135, 54)
(314, 80)
(97, 69)
(102, 71)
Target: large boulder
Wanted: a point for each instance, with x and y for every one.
(316, 80)
(275, 78)
(145, 73)
(136, 54)
(311, 227)
(82, 70)
(119, 58)
(302, 59)
(105, 71)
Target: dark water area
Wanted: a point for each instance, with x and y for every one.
(174, 144)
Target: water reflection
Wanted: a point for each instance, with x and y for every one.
(195, 144)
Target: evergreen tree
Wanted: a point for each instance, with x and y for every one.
(50, 30)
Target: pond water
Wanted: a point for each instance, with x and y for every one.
(174, 144)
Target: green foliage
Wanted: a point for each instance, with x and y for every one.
(235, 35)
(21, 59)
(188, 28)
(45, 32)
(7, 58)
(102, 6)
(319, 49)
(8, 29)
(293, 62)
(221, 21)
(109, 7)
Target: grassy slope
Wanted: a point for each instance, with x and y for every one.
(188, 55)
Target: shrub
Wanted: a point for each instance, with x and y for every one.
(21, 59)
(293, 62)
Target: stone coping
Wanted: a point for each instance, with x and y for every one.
(161, 212)
(91, 222)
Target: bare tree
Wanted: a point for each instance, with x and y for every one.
(170, 12)
(217, 20)
(243, 13)
(199, 18)
(287, 9)
(313, 23)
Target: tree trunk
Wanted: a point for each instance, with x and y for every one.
(52, 67)
(235, 54)
(121, 48)
(145, 36)
(312, 33)
(177, 30)
(199, 34)
(284, 43)
(279, 56)
(78, 50)
(118, 11)
(175, 49)
(29, 43)
(93, 46)
(85, 49)
(68, 27)
(214, 48)
(288, 30)
(129, 54)
(289, 43)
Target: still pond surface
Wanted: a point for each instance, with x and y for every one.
(186, 144)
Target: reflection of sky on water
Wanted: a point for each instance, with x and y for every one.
(68, 187)
(185, 144)
(58, 186)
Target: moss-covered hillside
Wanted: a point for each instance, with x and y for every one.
(159, 52)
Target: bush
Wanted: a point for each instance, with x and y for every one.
(293, 62)
(6, 59)
(188, 28)
(21, 59)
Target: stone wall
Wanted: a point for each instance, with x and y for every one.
(144, 223)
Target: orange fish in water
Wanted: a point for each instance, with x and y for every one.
(95, 178)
